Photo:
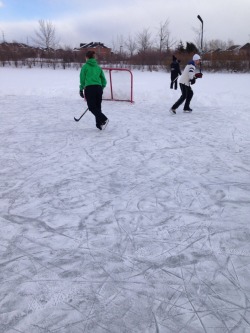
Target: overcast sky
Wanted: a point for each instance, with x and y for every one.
(105, 21)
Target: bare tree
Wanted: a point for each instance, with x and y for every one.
(230, 42)
(131, 45)
(46, 35)
(164, 36)
(197, 39)
(117, 44)
(215, 44)
(144, 40)
(3, 36)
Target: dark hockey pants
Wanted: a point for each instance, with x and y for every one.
(186, 95)
(93, 96)
(174, 81)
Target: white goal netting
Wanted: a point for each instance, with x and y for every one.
(119, 84)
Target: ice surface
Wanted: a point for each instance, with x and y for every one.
(142, 228)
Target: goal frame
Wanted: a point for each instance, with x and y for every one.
(110, 69)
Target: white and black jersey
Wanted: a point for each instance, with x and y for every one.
(188, 73)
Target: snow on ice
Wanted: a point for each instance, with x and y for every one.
(143, 227)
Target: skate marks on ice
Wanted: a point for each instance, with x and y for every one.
(143, 231)
(103, 278)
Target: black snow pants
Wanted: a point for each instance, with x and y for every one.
(186, 95)
(174, 81)
(93, 96)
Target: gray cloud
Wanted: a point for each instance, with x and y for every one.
(104, 21)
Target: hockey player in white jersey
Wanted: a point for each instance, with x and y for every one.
(187, 78)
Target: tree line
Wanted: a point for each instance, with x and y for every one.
(140, 51)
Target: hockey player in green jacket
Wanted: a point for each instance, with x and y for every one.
(92, 83)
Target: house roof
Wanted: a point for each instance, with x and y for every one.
(14, 44)
(234, 48)
(215, 51)
(92, 45)
(245, 47)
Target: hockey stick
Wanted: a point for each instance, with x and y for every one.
(176, 78)
(81, 115)
(199, 18)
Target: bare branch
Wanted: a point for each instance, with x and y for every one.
(131, 45)
(144, 40)
(46, 35)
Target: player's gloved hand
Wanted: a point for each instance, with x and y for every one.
(193, 81)
(81, 93)
(198, 75)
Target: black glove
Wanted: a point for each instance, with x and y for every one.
(198, 75)
(81, 93)
(193, 81)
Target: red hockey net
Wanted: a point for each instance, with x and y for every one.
(119, 85)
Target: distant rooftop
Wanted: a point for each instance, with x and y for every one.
(92, 45)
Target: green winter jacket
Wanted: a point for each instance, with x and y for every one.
(92, 74)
